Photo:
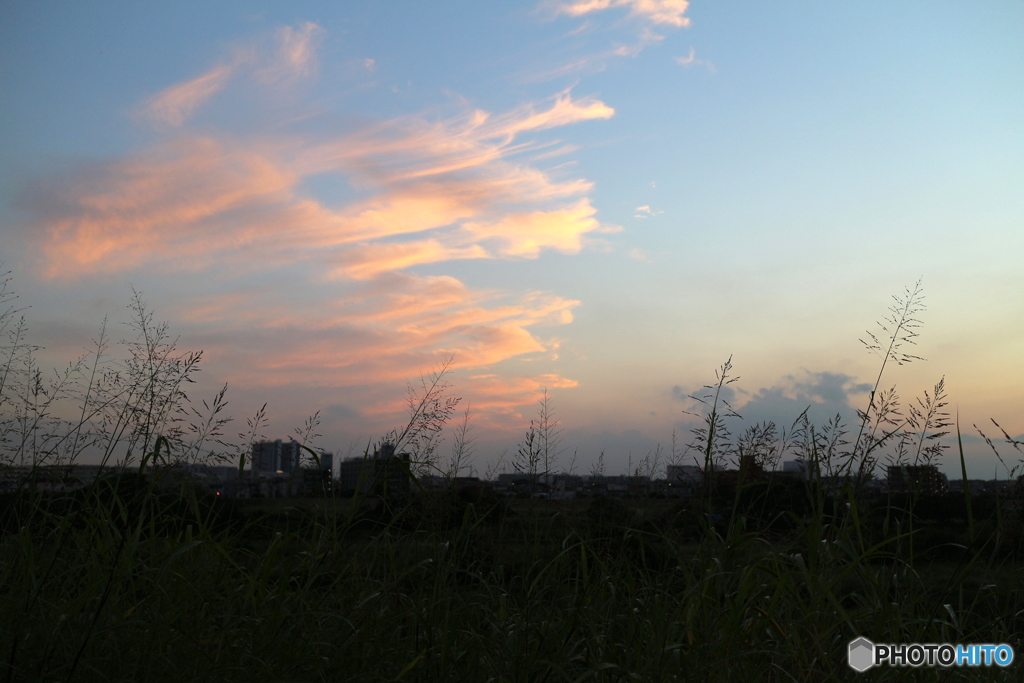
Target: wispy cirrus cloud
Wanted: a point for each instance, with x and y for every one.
(662, 13)
(174, 105)
(200, 199)
(293, 56)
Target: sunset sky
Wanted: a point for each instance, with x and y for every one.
(603, 198)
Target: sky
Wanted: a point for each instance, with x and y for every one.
(603, 199)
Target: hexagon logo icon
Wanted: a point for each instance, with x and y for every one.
(861, 654)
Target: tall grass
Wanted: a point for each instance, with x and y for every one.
(144, 577)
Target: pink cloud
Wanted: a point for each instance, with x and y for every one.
(497, 395)
(386, 331)
(199, 200)
(174, 105)
(178, 198)
(432, 191)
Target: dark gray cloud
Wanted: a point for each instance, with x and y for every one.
(832, 386)
(822, 394)
(339, 411)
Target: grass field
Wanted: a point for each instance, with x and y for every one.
(124, 582)
(144, 577)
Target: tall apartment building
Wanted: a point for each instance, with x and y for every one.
(275, 457)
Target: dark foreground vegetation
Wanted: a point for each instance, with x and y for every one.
(130, 581)
(143, 576)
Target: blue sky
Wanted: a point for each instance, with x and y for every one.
(606, 199)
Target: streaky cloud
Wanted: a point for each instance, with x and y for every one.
(294, 57)
(176, 104)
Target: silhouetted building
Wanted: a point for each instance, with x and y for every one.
(682, 481)
(384, 471)
(797, 469)
(273, 457)
(327, 463)
(922, 479)
(749, 468)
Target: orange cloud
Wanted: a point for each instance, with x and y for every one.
(526, 234)
(496, 395)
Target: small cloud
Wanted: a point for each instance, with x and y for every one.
(369, 64)
(654, 185)
(688, 60)
(691, 60)
(646, 212)
(668, 12)
(638, 254)
(296, 53)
